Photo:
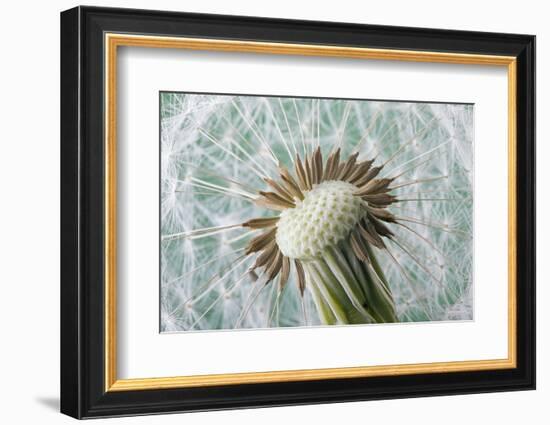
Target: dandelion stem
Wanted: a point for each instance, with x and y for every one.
(327, 306)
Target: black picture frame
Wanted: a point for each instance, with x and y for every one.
(83, 392)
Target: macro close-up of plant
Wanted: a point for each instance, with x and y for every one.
(282, 212)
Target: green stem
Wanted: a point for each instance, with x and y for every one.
(348, 291)
(329, 311)
(378, 269)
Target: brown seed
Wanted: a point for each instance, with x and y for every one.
(372, 173)
(375, 186)
(368, 233)
(253, 275)
(336, 163)
(266, 203)
(339, 171)
(348, 167)
(273, 267)
(380, 227)
(360, 170)
(260, 242)
(358, 248)
(332, 165)
(285, 272)
(382, 214)
(318, 159)
(259, 223)
(309, 172)
(277, 199)
(301, 276)
(379, 199)
(290, 183)
(269, 252)
(280, 190)
(300, 172)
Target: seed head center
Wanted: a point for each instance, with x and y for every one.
(326, 215)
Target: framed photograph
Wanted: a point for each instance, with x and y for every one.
(261, 212)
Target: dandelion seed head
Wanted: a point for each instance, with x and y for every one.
(326, 215)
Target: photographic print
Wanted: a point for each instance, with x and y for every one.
(297, 212)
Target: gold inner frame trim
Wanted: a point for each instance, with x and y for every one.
(113, 41)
